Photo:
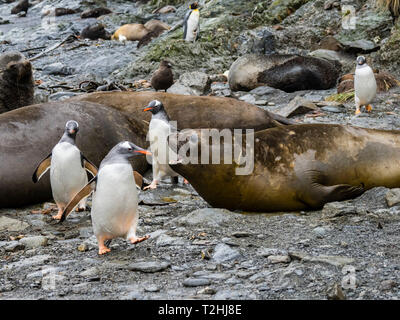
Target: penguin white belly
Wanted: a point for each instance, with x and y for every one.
(115, 202)
(192, 25)
(67, 177)
(364, 85)
(158, 133)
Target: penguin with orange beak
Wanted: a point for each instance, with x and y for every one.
(159, 130)
(115, 198)
(68, 168)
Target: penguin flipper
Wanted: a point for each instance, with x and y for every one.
(138, 179)
(88, 165)
(42, 168)
(84, 193)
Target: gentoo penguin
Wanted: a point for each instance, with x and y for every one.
(162, 78)
(364, 85)
(159, 130)
(68, 168)
(191, 23)
(115, 199)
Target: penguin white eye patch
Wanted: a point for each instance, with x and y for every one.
(72, 121)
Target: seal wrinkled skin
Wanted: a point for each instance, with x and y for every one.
(300, 167)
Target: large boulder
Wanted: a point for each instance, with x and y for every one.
(285, 72)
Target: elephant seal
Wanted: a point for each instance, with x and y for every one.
(22, 5)
(16, 81)
(95, 13)
(155, 28)
(189, 111)
(130, 32)
(94, 32)
(296, 167)
(26, 134)
(285, 72)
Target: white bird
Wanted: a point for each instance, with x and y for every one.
(67, 167)
(364, 85)
(191, 23)
(159, 130)
(115, 198)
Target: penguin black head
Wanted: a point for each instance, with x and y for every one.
(194, 5)
(71, 128)
(154, 106)
(361, 60)
(165, 64)
(127, 149)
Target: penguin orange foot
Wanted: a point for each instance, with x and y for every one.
(59, 214)
(358, 111)
(103, 249)
(153, 185)
(368, 108)
(135, 240)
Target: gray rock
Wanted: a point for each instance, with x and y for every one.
(191, 83)
(393, 197)
(223, 252)
(13, 246)
(34, 242)
(89, 273)
(165, 240)
(60, 96)
(195, 282)
(266, 252)
(337, 261)
(264, 90)
(28, 262)
(335, 292)
(248, 98)
(241, 234)
(388, 285)
(279, 259)
(333, 109)
(149, 266)
(10, 224)
(207, 290)
(152, 288)
(297, 106)
(320, 232)
(325, 54)
(178, 88)
(58, 68)
(207, 216)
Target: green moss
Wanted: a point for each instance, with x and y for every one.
(341, 97)
(162, 3)
(278, 10)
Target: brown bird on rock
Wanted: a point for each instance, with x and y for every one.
(162, 78)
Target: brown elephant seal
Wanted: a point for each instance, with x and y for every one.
(296, 167)
(95, 13)
(16, 81)
(285, 72)
(21, 6)
(26, 134)
(57, 12)
(130, 32)
(163, 77)
(155, 27)
(94, 32)
(189, 111)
